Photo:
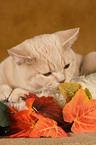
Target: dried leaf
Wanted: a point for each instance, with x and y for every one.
(68, 90)
(88, 93)
(46, 127)
(29, 102)
(22, 122)
(82, 111)
(46, 106)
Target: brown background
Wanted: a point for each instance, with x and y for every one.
(23, 19)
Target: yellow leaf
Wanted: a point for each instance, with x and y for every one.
(68, 90)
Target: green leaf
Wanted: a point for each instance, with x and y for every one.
(88, 93)
(69, 89)
(4, 118)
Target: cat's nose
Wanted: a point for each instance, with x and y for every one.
(59, 77)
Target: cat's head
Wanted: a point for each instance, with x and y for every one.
(46, 60)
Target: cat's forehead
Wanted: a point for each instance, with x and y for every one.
(45, 42)
(45, 45)
(48, 46)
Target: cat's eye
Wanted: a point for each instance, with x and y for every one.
(47, 74)
(67, 66)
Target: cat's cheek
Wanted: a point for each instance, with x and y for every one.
(34, 85)
(49, 82)
(40, 82)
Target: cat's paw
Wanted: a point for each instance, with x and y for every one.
(5, 92)
(17, 106)
(17, 94)
(88, 64)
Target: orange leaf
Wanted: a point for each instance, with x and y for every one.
(29, 102)
(46, 127)
(23, 133)
(82, 111)
(21, 122)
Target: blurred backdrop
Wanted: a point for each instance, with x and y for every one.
(23, 19)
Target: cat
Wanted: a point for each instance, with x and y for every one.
(88, 64)
(39, 64)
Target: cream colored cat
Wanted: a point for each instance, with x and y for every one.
(40, 63)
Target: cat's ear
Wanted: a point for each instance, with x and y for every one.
(68, 37)
(20, 58)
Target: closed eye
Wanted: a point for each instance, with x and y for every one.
(47, 74)
(67, 66)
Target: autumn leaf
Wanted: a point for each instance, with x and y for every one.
(46, 106)
(82, 112)
(88, 93)
(22, 122)
(68, 90)
(46, 127)
(27, 123)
